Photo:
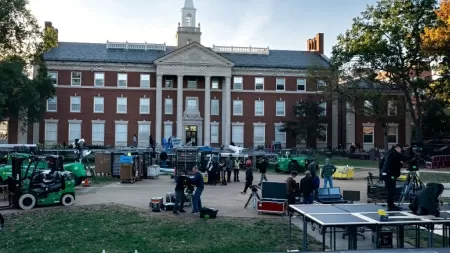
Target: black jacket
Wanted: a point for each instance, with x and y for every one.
(249, 175)
(427, 201)
(181, 182)
(393, 164)
(307, 186)
(263, 167)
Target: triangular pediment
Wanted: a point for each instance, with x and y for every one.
(194, 54)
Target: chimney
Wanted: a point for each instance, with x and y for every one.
(315, 44)
(49, 24)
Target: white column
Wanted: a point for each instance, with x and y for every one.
(223, 112)
(207, 116)
(180, 107)
(334, 124)
(350, 133)
(227, 111)
(22, 133)
(158, 123)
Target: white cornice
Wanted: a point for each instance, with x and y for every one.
(236, 71)
(97, 67)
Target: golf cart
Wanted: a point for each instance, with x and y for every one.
(78, 169)
(36, 187)
(290, 160)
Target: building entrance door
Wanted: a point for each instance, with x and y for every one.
(191, 135)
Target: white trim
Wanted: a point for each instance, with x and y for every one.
(369, 125)
(143, 122)
(276, 83)
(56, 102)
(165, 106)
(117, 105)
(140, 105)
(75, 97)
(97, 121)
(146, 139)
(276, 126)
(296, 83)
(256, 102)
(71, 78)
(215, 123)
(326, 135)
(324, 107)
(259, 124)
(75, 121)
(391, 126)
(95, 79)
(259, 77)
(234, 88)
(242, 108)
(149, 80)
(51, 120)
(46, 123)
(238, 123)
(103, 104)
(187, 104)
(106, 87)
(120, 122)
(214, 80)
(168, 123)
(284, 108)
(126, 80)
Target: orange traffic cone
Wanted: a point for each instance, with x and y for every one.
(86, 182)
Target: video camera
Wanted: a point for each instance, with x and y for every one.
(254, 188)
(414, 159)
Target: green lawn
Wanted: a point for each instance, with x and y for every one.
(427, 177)
(103, 180)
(410, 238)
(117, 228)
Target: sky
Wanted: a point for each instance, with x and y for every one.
(277, 24)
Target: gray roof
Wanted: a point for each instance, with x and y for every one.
(97, 52)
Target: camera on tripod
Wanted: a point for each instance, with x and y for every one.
(414, 161)
(254, 188)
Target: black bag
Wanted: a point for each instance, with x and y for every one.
(208, 213)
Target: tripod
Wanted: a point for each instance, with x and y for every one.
(254, 196)
(414, 184)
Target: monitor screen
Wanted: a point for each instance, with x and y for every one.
(335, 191)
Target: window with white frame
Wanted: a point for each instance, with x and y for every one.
(192, 106)
(75, 104)
(192, 82)
(392, 108)
(169, 82)
(99, 104)
(259, 108)
(53, 75)
(144, 106)
(280, 84)
(301, 84)
(325, 134)
(238, 83)
(392, 134)
(168, 130)
(321, 85)
(52, 104)
(143, 133)
(368, 133)
(280, 108)
(51, 132)
(168, 106)
(215, 84)
(145, 81)
(279, 135)
(99, 79)
(121, 134)
(4, 131)
(215, 107)
(323, 112)
(259, 134)
(259, 83)
(75, 79)
(214, 133)
(368, 108)
(121, 105)
(238, 107)
(237, 135)
(98, 133)
(122, 80)
(74, 130)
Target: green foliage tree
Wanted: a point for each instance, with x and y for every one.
(22, 45)
(436, 121)
(309, 124)
(385, 42)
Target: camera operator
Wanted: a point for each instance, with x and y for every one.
(179, 193)
(197, 180)
(427, 201)
(291, 187)
(392, 165)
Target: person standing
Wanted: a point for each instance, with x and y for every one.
(307, 188)
(197, 180)
(390, 172)
(248, 179)
(312, 167)
(209, 167)
(291, 187)
(230, 165)
(236, 167)
(223, 171)
(179, 194)
(263, 170)
(135, 140)
(327, 173)
(216, 170)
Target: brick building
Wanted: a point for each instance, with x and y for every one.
(108, 92)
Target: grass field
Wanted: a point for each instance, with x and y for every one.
(434, 177)
(116, 228)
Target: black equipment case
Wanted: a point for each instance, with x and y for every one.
(208, 213)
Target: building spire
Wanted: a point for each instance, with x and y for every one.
(188, 4)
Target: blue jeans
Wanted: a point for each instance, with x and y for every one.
(328, 180)
(308, 199)
(197, 203)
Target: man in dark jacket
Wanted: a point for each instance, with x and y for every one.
(263, 170)
(197, 180)
(291, 187)
(390, 172)
(427, 201)
(181, 181)
(381, 164)
(248, 179)
(230, 165)
(307, 188)
(313, 167)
